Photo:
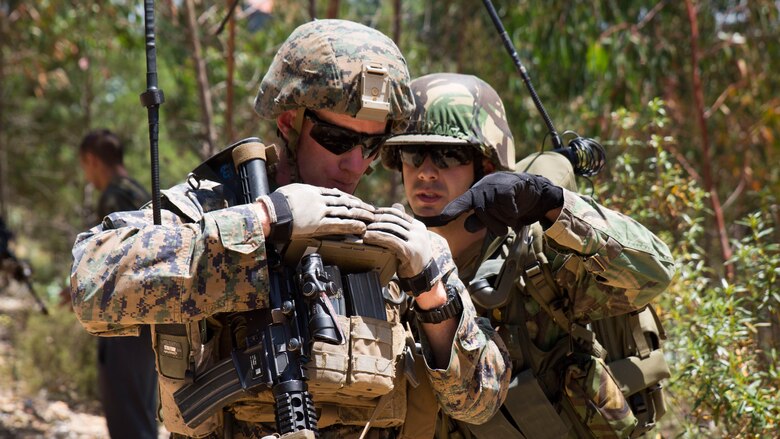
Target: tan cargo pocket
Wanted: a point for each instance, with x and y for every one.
(327, 368)
(597, 400)
(375, 346)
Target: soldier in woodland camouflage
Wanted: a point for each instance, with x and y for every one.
(336, 90)
(594, 262)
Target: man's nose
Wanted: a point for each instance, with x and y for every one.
(353, 162)
(427, 170)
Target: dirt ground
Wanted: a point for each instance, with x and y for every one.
(39, 416)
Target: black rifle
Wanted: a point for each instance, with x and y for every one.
(271, 346)
(21, 272)
(17, 269)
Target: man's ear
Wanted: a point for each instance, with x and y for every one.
(488, 166)
(89, 160)
(285, 123)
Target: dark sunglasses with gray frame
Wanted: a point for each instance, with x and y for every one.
(443, 156)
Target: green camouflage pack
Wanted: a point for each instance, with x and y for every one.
(452, 108)
(600, 267)
(321, 66)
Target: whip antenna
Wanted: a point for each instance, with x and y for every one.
(556, 139)
(152, 98)
(587, 156)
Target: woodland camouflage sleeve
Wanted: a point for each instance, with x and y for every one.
(474, 384)
(630, 264)
(128, 271)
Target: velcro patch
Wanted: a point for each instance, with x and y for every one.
(172, 349)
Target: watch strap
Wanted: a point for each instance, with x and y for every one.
(453, 307)
(422, 282)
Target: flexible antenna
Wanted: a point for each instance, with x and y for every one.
(152, 98)
(587, 156)
(556, 139)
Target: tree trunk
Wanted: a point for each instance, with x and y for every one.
(231, 62)
(333, 9)
(3, 179)
(395, 177)
(709, 185)
(313, 9)
(204, 92)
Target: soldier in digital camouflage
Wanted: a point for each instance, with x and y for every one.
(336, 91)
(126, 373)
(573, 261)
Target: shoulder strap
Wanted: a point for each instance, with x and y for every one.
(539, 283)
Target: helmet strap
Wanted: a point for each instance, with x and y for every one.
(294, 133)
(479, 167)
(291, 143)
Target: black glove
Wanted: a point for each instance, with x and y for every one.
(501, 200)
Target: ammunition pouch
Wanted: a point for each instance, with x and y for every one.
(348, 380)
(363, 366)
(593, 395)
(637, 362)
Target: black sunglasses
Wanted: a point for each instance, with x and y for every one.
(441, 156)
(339, 140)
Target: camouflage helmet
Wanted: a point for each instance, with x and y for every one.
(452, 109)
(339, 66)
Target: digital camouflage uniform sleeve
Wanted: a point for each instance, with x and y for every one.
(128, 271)
(629, 263)
(474, 384)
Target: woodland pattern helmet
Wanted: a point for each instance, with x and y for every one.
(339, 66)
(451, 109)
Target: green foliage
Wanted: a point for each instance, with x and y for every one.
(725, 365)
(55, 353)
(600, 68)
(724, 379)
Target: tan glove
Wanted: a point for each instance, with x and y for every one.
(408, 238)
(301, 210)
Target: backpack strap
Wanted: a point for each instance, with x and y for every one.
(526, 406)
(642, 348)
(539, 283)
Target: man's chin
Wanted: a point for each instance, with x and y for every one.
(426, 211)
(347, 188)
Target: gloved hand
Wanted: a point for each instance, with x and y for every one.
(409, 239)
(501, 200)
(300, 210)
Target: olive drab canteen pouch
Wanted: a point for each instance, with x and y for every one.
(179, 350)
(636, 360)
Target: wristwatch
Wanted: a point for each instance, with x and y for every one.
(453, 307)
